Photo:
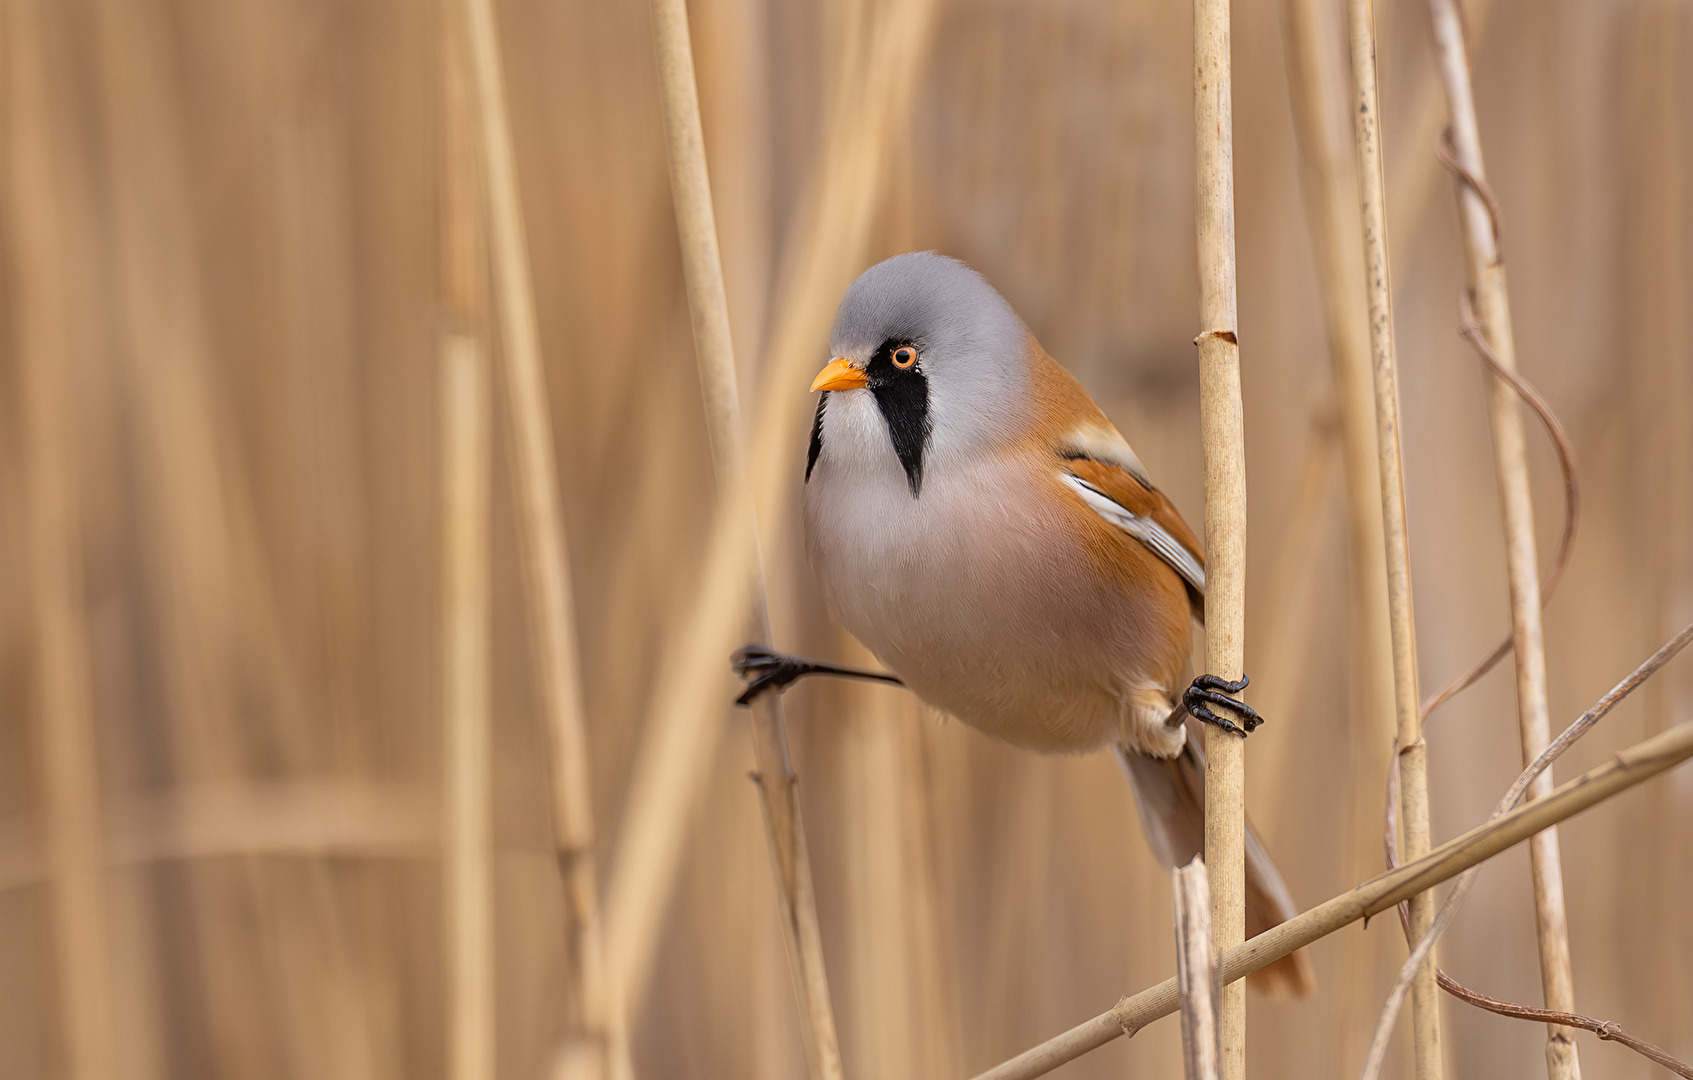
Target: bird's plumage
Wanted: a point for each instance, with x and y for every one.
(979, 524)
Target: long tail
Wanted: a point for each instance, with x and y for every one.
(1170, 794)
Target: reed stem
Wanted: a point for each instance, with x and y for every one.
(1413, 752)
(1221, 425)
(1331, 209)
(467, 842)
(708, 305)
(1492, 302)
(544, 557)
(676, 747)
(1627, 768)
(1196, 973)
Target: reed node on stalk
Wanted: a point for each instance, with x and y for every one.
(1221, 429)
(1506, 828)
(377, 510)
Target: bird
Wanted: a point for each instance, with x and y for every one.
(981, 527)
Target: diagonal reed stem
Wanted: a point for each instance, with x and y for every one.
(1605, 1029)
(676, 746)
(1626, 769)
(1537, 768)
(703, 273)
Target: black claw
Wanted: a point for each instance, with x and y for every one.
(1213, 690)
(1217, 682)
(758, 686)
(1246, 713)
(765, 669)
(1205, 715)
(754, 659)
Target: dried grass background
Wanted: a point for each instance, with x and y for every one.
(220, 243)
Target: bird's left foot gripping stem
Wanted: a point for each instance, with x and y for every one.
(1209, 690)
(765, 669)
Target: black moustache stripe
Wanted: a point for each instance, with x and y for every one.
(902, 394)
(816, 437)
(904, 401)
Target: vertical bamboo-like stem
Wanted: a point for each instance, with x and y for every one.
(1504, 829)
(541, 543)
(467, 841)
(1196, 974)
(1417, 172)
(465, 508)
(1225, 497)
(1318, 98)
(64, 711)
(1413, 753)
(703, 273)
(1330, 207)
(1492, 304)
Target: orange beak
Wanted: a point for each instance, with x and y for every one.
(839, 374)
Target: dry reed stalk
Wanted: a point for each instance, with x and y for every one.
(1492, 301)
(1196, 977)
(1317, 89)
(1317, 93)
(1626, 769)
(467, 840)
(708, 305)
(1536, 768)
(731, 39)
(64, 732)
(466, 507)
(1565, 449)
(676, 745)
(545, 559)
(1221, 426)
(1607, 1030)
(1415, 170)
(1413, 752)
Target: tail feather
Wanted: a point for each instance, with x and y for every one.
(1170, 795)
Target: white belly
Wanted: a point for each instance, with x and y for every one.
(981, 605)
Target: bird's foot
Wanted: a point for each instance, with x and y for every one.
(1208, 690)
(766, 669)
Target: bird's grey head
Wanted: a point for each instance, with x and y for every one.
(943, 355)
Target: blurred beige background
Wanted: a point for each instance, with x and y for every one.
(221, 243)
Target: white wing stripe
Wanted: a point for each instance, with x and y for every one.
(1144, 529)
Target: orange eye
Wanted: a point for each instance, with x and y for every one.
(904, 356)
